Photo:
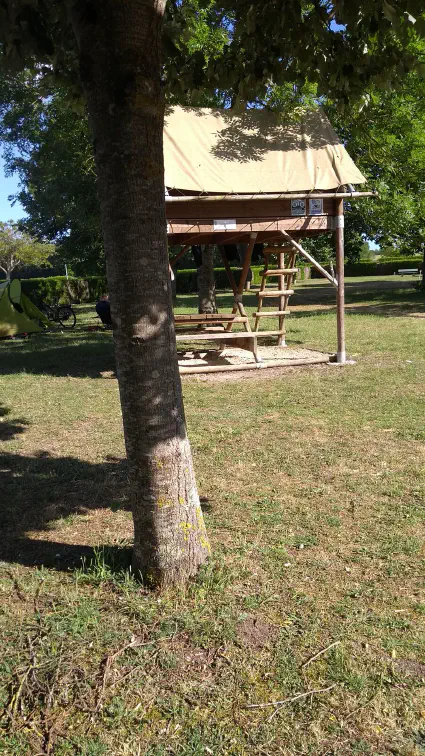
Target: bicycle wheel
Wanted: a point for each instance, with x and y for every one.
(47, 311)
(66, 317)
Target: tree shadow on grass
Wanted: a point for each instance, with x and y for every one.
(37, 491)
(381, 309)
(78, 355)
(10, 428)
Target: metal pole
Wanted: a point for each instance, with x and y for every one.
(340, 296)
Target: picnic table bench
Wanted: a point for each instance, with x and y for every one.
(408, 271)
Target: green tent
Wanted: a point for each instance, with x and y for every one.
(17, 313)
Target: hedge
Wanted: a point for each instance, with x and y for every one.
(376, 268)
(66, 290)
(89, 289)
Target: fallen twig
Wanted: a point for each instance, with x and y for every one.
(323, 651)
(107, 662)
(36, 596)
(17, 586)
(290, 700)
(14, 701)
(360, 708)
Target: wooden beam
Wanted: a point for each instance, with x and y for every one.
(179, 255)
(244, 226)
(311, 259)
(228, 269)
(264, 196)
(252, 366)
(246, 264)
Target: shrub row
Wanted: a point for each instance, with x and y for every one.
(186, 280)
(379, 268)
(376, 268)
(89, 289)
(66, 290)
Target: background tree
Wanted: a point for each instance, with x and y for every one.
(119, 52)
(18, 249)
(47, 144)
(387, 138)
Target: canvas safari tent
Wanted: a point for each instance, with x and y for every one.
(17, 313)
(219, 152)
(252, 178)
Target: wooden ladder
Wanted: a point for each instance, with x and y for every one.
(284, 273)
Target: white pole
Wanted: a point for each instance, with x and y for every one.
(340, 301)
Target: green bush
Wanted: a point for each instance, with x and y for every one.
(378, 268)
(89, 289)
(375, 268)
(186, 280)
(66, 290)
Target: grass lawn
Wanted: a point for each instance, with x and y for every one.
(314, 494)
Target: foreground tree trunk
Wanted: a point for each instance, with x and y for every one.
(119, 47)
(206, 282)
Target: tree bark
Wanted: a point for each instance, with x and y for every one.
(119, 45)
(206, 282)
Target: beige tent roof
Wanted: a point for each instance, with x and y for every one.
(252, 152)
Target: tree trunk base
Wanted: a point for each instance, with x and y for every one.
(170, 539)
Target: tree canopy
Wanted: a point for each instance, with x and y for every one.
(18, 249)
(212, 58)
(240, 47)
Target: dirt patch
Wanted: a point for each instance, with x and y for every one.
(256, 634)
(190, 655)
(411, 668)
(269, 374)
(237, 357)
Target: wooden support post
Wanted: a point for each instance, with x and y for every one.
(238, 304)
(180, 254)
(228, 269)
(310, 258)
(247, 263)
(282, 300)
(340, 303)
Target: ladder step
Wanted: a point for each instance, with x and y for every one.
(207, 317)
(275, 293)
(222, 336)
(277, 250)
(201, 321)
(271, 314)
(269, 333)
(281, 272)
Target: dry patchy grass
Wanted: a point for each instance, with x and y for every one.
(313, 487)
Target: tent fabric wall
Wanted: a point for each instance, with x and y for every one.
(255, 151)
(25, 319)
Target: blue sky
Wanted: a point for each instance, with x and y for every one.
(8, 186)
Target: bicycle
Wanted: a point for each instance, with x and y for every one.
(62, 314)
